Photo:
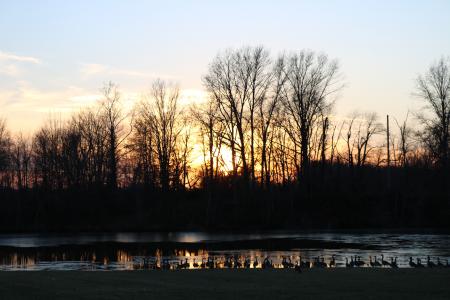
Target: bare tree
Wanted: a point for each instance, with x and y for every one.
(404, 143)
(113, 117)
(184, 157)
(93, 147)
(361, 128)
(141, 145)
(349, 142)
(335, 138)
(237, 80)
(47, 155)
(434, 88)
(311, 80)
(268, 107)
(161, 113)
(257, 62)
(5, 154)
(324, 141)
(22, 161)
(209, 129)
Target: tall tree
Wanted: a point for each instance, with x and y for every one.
(257, 62)
(21, 157)
(161, 113)
(361, 129)
(311, 80)
(434, 88)
(113, 117)
(404, 143)
(209, 130)
(268, 108)
(238, 81)
(228, 83)
(5, 154)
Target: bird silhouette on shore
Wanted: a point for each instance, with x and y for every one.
(384, 263)
(267, 263)
(419, 263)
(430, 264)
(333, 261)
(374, 262)
(246, 262)
(394, 262)
(255, 263)
(411, 263)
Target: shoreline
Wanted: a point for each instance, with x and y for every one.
(225, 284)
(374, 230)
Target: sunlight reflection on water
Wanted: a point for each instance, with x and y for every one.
(107, 251)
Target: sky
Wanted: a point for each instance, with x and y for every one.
(56, 55)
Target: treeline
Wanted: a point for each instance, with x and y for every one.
(264, 150)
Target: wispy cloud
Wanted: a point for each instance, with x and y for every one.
(27, 107)
(26, 97)
(9, 70)
(19, 58)
(13, 65)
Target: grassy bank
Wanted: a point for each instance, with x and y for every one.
(227, 284)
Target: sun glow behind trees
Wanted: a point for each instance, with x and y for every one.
(261, 118)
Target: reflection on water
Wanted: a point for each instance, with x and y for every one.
(16, 261)
(201, 250)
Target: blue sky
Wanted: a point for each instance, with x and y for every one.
(55, 55)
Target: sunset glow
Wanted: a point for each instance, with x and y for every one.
(195, 149)
(50, 78)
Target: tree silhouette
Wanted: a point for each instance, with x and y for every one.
(163, 166)
(434, 88)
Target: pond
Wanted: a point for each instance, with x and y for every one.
(136, 251)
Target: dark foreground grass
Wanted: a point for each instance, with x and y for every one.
(229, 284)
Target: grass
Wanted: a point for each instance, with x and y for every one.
(342, 283)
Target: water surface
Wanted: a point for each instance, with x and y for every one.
(128, 251)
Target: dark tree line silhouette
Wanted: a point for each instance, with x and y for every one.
(264, 150)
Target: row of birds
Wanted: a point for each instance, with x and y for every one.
(430, 263)
(318, 262)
